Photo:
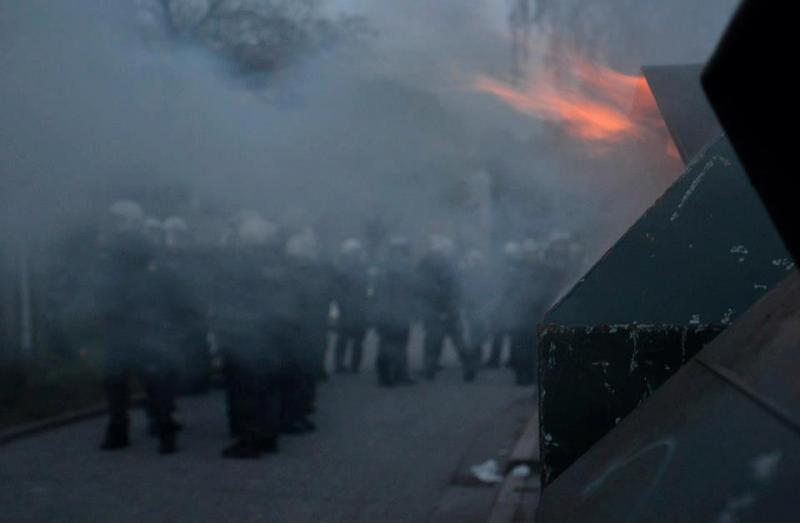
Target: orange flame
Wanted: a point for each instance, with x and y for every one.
(591, 101)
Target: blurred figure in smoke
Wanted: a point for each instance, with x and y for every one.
(137, 301)
(505, 310)
(439, 302)
(523, 304)
(303, 325)
(351, 298)
(251, 365)
(190, 266)
(478, 301)
(563, 259)
(393, 306)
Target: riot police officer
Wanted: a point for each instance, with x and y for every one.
(524, 302)
(393, 310)
(302, 331)
(439, 302)
(251, 365)
(478, 298)
(351, 298)
(191, 265)
(137, 300)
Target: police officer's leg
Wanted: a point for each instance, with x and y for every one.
(495, 350)
(287, 384)
(318, 346)
(159, 383)
(403, 371)
(466, 352)
(479, 336)
(295, 398)
(171, 376)
(340, 349)
(271, 408)
(117, 387)
(309, 400)
(529, 350)
(434, 340)
(383, 362)
(359, 335)
(247, 445)
(261, 412)
(233, 391)
(196, 375)
(394, 360)
(515, 353)
(523, 347)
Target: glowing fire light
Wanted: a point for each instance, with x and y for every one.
(591, 101)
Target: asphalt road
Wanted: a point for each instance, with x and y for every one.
(380, 455)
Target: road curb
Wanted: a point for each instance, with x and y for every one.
(518, 498)
(36, 427)
(526, 451)
(68, 418)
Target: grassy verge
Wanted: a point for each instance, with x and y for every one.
(34, 390)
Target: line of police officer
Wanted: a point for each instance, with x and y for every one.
(266, 301)
(266, 306)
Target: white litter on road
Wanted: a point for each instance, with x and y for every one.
(487, 472)
(521, 471)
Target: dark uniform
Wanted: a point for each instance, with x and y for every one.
(351, 297)
(251, 364)
(478, 300)
(137, 301)
(393, 308)
(439, 301)
(523, 305)
(193, 268)
(298, 325)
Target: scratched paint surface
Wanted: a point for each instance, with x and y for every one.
(706, 249)
(703, 254)
(718, 442)
(593, 377)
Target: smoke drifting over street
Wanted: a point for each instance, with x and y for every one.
(384, 122)
(410, 254)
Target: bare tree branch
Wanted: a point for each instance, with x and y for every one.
(257, 35)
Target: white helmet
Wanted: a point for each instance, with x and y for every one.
(153, 229)
(253, 229)
(399, 251)
(352, 246)
(127, 214)
(175, 224)
(175, 230)
(532, 249)
(474, 258)
(127, 209)
(559, 236)
(512, 249)
(441, 244)
(303, 245)
(399, 242)
(151, 223)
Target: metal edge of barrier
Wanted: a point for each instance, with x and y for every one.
(33, 428)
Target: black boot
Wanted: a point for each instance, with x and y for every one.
(172, 425)
(269, 445)
(307, 425)
(242, 450)
(469, 375)
(167, 444)
(116, 438)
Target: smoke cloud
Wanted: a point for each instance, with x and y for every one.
(386, 124)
